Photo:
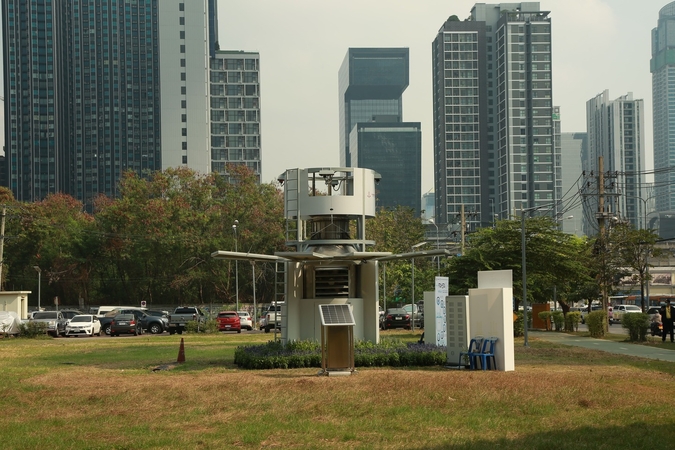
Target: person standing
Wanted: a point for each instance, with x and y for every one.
(667, 317)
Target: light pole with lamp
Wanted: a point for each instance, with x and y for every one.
(236, 263)
(524, 262)
(412, 301)
(39, 271)
(431, 221)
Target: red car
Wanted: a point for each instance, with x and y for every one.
(229, 321)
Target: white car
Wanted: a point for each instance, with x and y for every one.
(620, 310)
(83, 325)
(246, 320)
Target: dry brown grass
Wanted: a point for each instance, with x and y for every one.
(554, 392)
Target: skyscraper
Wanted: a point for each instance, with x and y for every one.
(573, 149)
(394, 150)
(494, 149)
(615, 133)
(371, 82)
(662, 66)
(235, 111)
(98, 87)
(372, 132)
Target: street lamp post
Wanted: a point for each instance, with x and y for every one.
(412, 301)
(39, 271)
(438, 258)
(255, 308)
(236, 263)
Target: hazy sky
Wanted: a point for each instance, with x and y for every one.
(596, 45)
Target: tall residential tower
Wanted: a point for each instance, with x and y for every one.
(662, 67)
(494, 149)
(98, 87)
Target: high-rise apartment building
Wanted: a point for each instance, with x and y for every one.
(494, 149)
(235, 111)
(615, 133)
(662, 66)
(98, 87)
(372, 132)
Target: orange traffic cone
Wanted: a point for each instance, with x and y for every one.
(181, 352)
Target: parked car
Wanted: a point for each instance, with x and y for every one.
(56, 323)
(620, 310)
(70, 313)
(163, 315)
(246, 320)
(229, 321)
(396, 318)
(417, 314)
(125, 324)
(83, 325)
(610, 313)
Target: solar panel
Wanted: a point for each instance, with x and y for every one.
(336, 315)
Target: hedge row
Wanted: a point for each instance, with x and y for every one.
(298, 354)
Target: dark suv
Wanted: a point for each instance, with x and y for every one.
(152, 324)
(125, 324)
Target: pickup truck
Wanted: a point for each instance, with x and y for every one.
(272, 317)
(182, 315)
(56, 323)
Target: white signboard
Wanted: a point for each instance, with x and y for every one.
(440, 292)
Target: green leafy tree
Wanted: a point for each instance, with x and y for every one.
(553, 258)
(634, 247)
(396, 230)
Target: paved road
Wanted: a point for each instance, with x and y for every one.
(622, 348)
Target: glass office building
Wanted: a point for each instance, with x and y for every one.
(394, 150)
(371, 82)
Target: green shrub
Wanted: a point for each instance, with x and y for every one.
(32, 329)
(546, 317)
(558, 320)
(637, 326)
(208, 326)
(572, 320)
(296, 354)
(597, 321)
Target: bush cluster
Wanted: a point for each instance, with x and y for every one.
(572, 320)
(32, 329)
(208, 326)
(298, 354)
(597, 321)
(637, 325)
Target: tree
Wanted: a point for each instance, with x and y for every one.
(634, 247)
(553, 258)
(396, 230)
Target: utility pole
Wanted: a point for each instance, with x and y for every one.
(2, 241)
(602, 233)
(463, 225)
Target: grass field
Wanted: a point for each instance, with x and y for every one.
(103, 393)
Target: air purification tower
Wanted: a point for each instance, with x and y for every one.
(326, 211)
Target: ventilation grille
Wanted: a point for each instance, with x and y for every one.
(331, 283)
(336, 315)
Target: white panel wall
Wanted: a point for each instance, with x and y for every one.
(458, 332)
(196, 84)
